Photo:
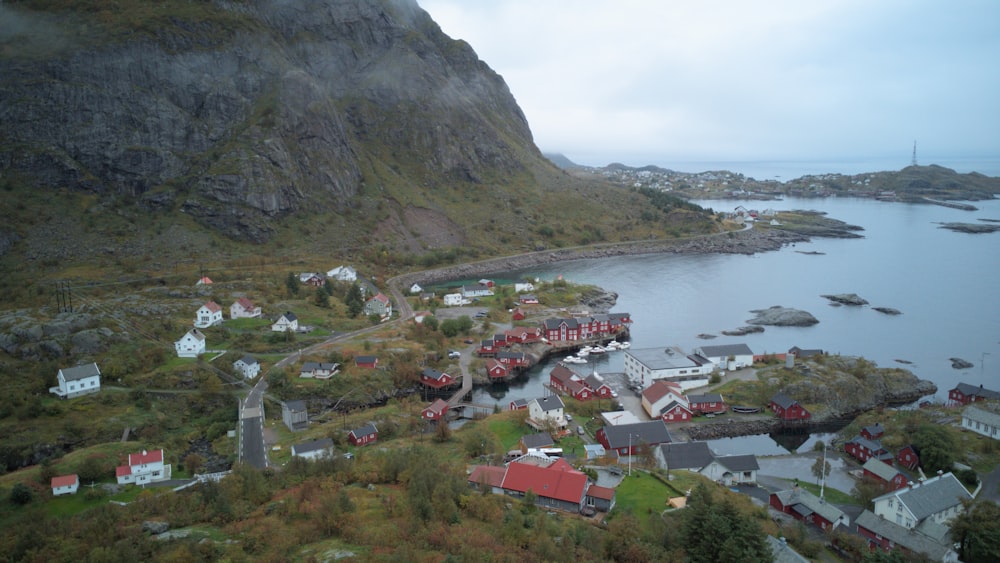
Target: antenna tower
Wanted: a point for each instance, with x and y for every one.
(914, 162)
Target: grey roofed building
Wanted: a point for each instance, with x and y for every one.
(930, 497)
(80, 372)
(322, 444)
(653, 432)
(665, 358)
(882, 470)
(537, 440)
(805, 503)
(784, 553)
(550, 403)
(805, 353)
(782, 400)
(981, 421)
(977, 391)
(742, 462)
(686, 455)
(726, 350)
(705, 398)
(294, 415)
(913, 540)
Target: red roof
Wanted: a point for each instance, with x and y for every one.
(560, 484)
(123, 470)
(245, 303)
(205, 280)
(604, 493)
(488, 475)
(213, 306)
(145, 457)
(659, 389)
(65, 480)
(438, 406)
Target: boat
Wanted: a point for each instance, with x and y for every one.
(583, 353)
(598, 350)
(574, 360)
(745, 409)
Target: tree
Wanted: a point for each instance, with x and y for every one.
(936, 446)
(821, 468)
(733, 537)
(430, 323)
(354, 301)
(865, 490)
(442, 433)
(21, 494)
(292, 284)
(322, 298)
(977, 531)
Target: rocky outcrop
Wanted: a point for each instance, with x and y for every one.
(971, 228)
(782, 316)
(959, 363)
(852, 299)
(743, 331)
(887, 310)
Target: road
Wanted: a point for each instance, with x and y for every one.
(252, 448)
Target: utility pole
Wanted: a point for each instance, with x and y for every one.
(822, 485)
(914, 161)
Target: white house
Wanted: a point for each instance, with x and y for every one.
(545, 410)
(469, 291)
(65, 484)
(938, 499)
(314, 449)
(982, 422)
(455, 300)
(659, 395)
(379, 305)
(727, 356)
(524, 287)
(248, 366)
(191, 345)
(287, 322)
(733, 469)
(319, 370)
(144, 468)
(415, 288)
(645, 365)
(343, 273)
(243, 308)
(76, 381)
(209, 314)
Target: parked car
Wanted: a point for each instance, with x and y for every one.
(454, 354)
(580, 430)
(569, 417)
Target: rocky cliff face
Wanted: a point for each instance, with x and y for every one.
(241, 112)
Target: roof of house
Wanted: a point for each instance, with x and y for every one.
(537, 440)
(312, 446)
(520, 403)
(874, 429)
(245, 303)
(977, 391)
(726, 350)
(314, 366)
(379, 297)
(205, 280)
(604, 493)
(65, 480)
(365, 359)
(806, 503)
(490, 475)
(672, 405)
(196, 334)
(213, 307)
(434, 374)
(154, 456)
(880, 469)
(805, 352)
(295, 406)
(870, 445)
(80, 372)
(930, 496)
(248, 360)
(910, 539)
(784, 553)
(365, 430)
(288, 316)
(438, 406)
(977, 414)
(511, 355)
(550, 403)
(705, 398)
(659, 389)
(686, 455)
(559, 483)
(492, 364)
(653, 432)
(554, 323)
(743, 462)
(664, 358)
(782, 400)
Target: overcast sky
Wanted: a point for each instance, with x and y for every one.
(665, 82)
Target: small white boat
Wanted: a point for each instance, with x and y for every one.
(613, 345)
(583, 353)
(598, 349)
(574, 360)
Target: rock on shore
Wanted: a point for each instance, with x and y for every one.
(782, 316)
(852, 299)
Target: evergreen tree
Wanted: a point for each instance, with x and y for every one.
(354, 301)
(977, 531)
(322, 298)
(292, 284)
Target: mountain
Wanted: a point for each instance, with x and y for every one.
(356, 122)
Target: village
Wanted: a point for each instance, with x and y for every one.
(575, 465)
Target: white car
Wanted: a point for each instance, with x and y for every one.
(454, 354)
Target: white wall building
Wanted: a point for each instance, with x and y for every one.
(248, 366)
(76, 381)
(143, 468)
(191, 345)
(727, 356)
(981, 422)
(455, 300)
(209, 314)
(938, 499)
(645, 365)
(314, 449)
(287, 322)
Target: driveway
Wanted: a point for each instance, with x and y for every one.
(799, 466)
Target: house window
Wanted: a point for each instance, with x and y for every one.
(890, 503)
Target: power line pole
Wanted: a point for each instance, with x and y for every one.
(64, 297)
(914, 161)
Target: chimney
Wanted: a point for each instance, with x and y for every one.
(940, 472)
(143, 452)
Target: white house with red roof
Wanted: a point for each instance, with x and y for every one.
(143, 468)
(191, 345)
(660, 394)
(65, 484)
(243, 308)
(209, 314)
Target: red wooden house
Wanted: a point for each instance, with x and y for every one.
(863, 449)
(519, 404)
(436, 379)
(487, 348)
(524, 335)
(565, 380)
(708, 403)
(500, 341)
(873, 432)
(517, 314)
(675, 411)
(964, 394)
(435, 411)
(512, 359)
(884, 474)
(315, 280)
(366, 361)
(597, 384)
(803, 505)
(528, 299)
(786, 408)
(908, 457)
(561, 329)
(495, 370)
(363, 436)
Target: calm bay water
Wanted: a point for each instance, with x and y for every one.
(946, 284)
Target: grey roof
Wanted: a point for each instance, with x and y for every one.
(555, 322)
(873, 446)
(312, 446)
(511, 355)
(672, 405)
(745, 462)
(663, 358)
(784, 553)
(804, 502)
(705, 398)
(365, 430)
(364, 359)
(910, 539)
(726, 350)
(550, 403)
(248, 360)
(313, 366)
(686, 455)
(289, 316)
(434, 374)
(931, 496)
(295, 406)
(782, 400)
(805, 352)
(196, 334)
(977, 414)
(520, 402)
(652, 433)
(80, 372)
(881, 469)
(537, 440)
(977, 391)
(875, 428)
